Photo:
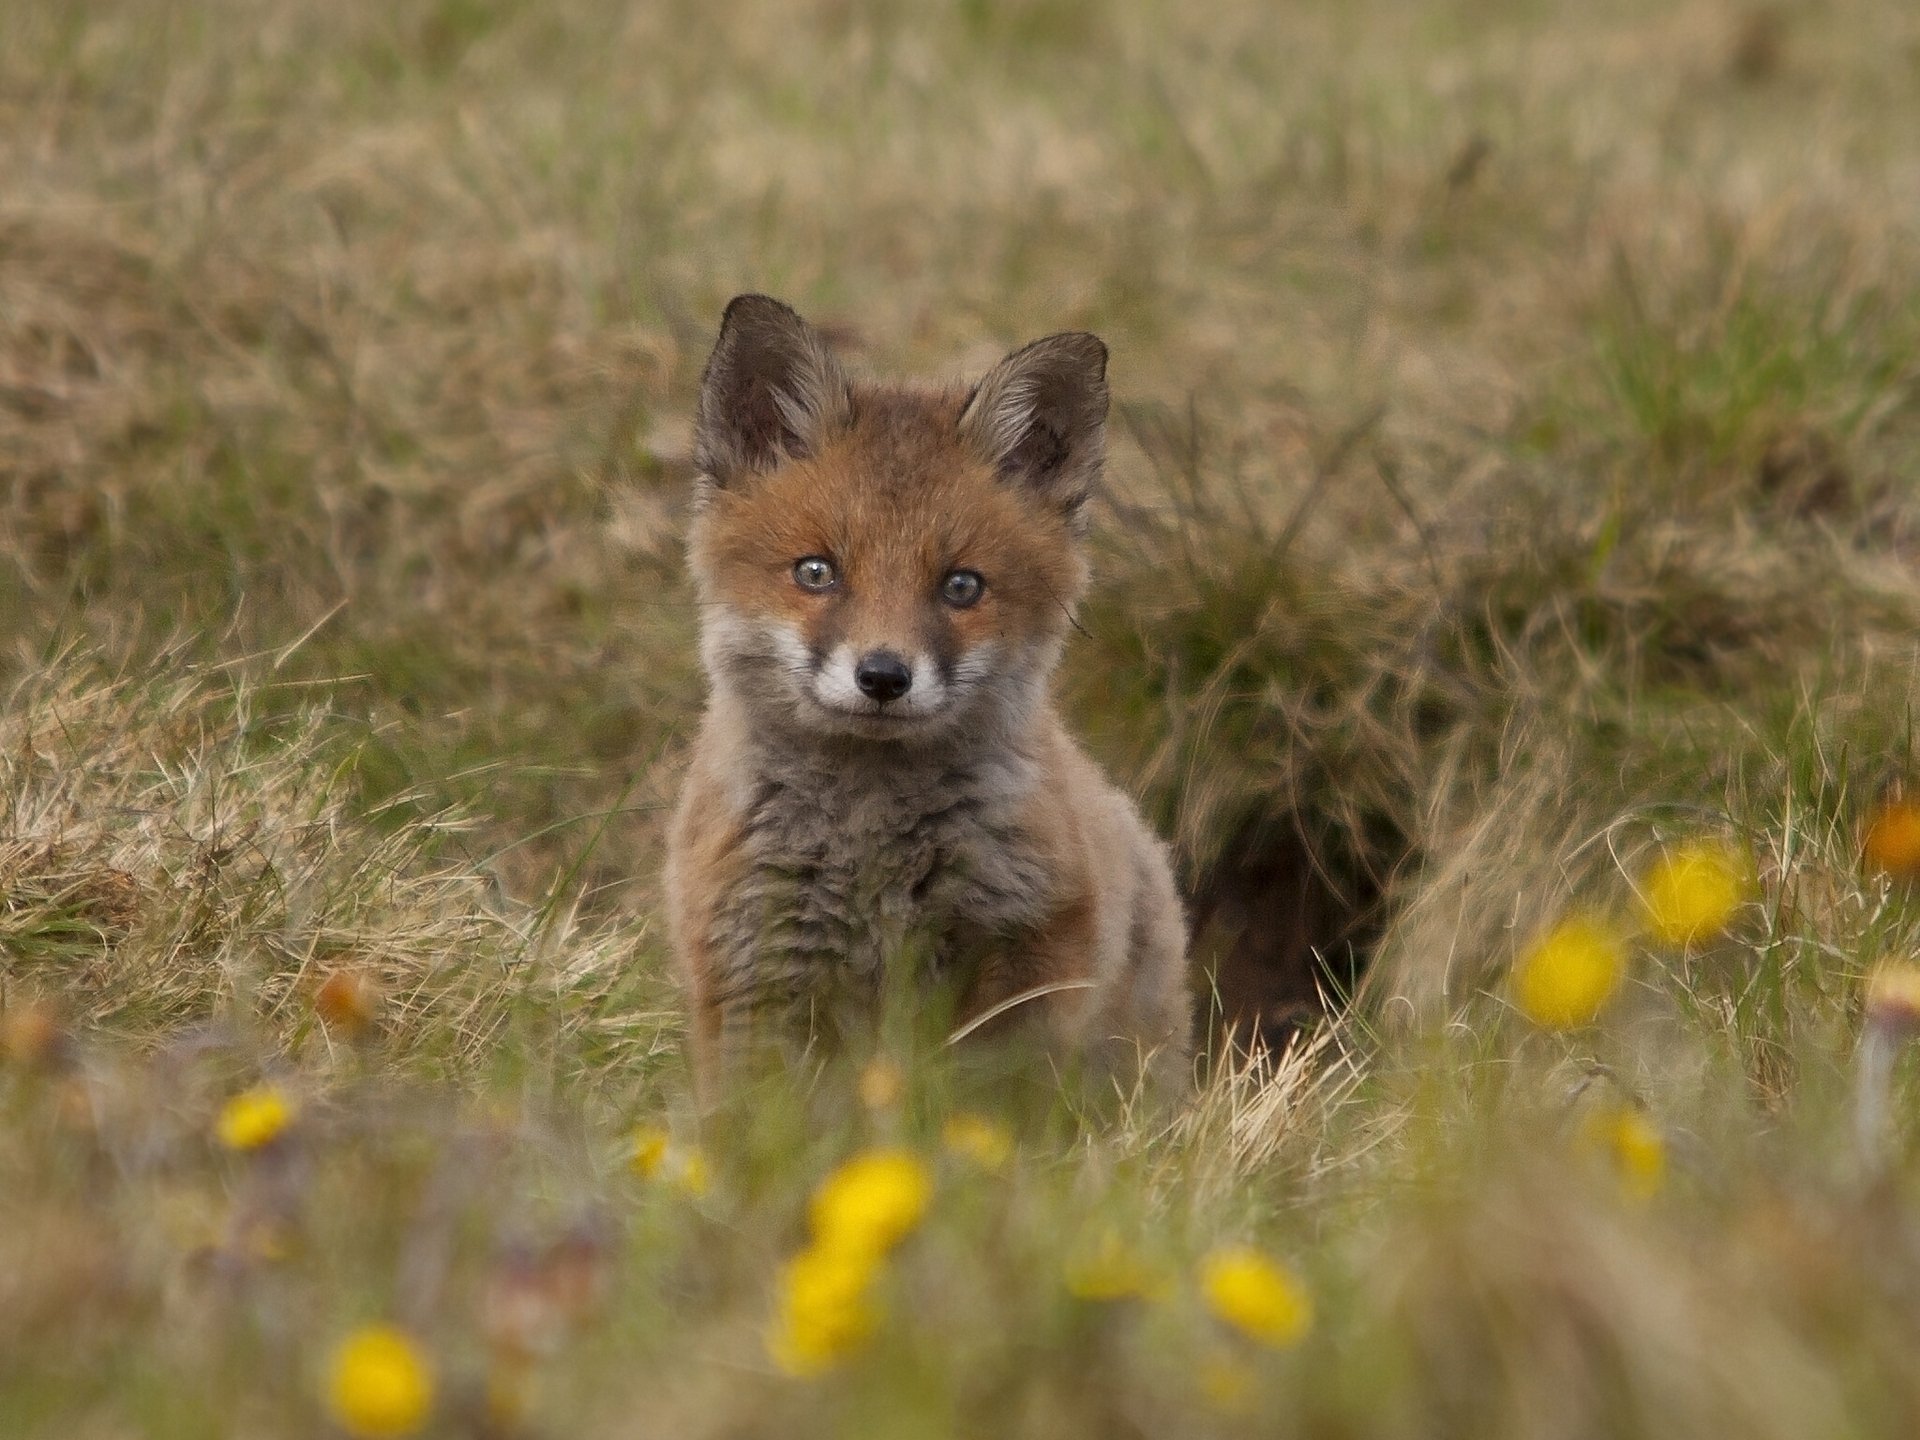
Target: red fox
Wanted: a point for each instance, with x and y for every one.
(881, 792)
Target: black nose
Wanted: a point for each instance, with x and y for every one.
(883, 675)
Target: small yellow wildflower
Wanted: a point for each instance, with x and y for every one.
(1227, 1384)
(649, 1150)
(255, 1117)
(1106, 1268)
(1632, 1146)
(1570, 973)
(1893, 997)
(882, 1083)
(1256, 1295)
(656, 1155)
(987, 1143)
(379, 1384)
(872, 1202)
(825, 1309)
(691, 1172)
(1892, 842)
(1691, 892)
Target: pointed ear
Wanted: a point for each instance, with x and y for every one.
(771, 389)
(1040, 418)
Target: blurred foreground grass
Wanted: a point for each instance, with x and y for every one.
(1518, 419)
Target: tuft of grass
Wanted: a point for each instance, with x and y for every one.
(183, 854)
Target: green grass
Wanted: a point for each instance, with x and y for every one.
(1517, 424)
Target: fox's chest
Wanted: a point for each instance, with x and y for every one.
(854, 878)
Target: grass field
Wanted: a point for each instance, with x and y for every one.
(1516, 476)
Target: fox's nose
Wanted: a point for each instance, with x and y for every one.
(882, 675)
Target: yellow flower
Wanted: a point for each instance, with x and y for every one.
(656, 1155)
(255, 1117)
(1691, 892)
(1107, 1268)
(1892, 842)
(1632, 1146)
(379, 1383)
(881, 1084)
(824, 1308)
(649, 1151)
(1571, 972)
(872, 1202)
(1227, 1384)
(1256, 1295)
(987, 1143)
(691, 1172)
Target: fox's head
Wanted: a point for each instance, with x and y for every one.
(882, 562)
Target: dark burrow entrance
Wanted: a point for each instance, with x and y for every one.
(1282, 929)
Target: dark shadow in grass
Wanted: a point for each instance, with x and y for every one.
(1280, 935)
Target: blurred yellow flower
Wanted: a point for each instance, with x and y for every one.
(1632, 1146)
(1570, 973)
(655, 1155)
(379, 1383)
(871, 1202)
(1893, 997)
(881, 1084)
(1892, 842)
(1107, 1268)
(691, 1172)
(1227, 1384)
(255, 1117)
(1691, 892)
(1256, 1295)
(649, 1150)
(824, 1308)
(986, 1142)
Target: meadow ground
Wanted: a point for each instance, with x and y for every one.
(1515, 452)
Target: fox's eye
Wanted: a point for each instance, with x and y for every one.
(814, 573)
(961, 588)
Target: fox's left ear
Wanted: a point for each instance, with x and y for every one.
(1040, 418)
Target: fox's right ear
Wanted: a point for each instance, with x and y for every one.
(771, 389)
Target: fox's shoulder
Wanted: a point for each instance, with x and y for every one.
(1076, 799)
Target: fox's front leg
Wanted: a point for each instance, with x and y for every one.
(1043, 982)
(706, 866)
(721, 1025)
(707, 1025)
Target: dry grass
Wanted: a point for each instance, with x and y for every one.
(1519, 412)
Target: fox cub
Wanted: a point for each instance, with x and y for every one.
(881, 795)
